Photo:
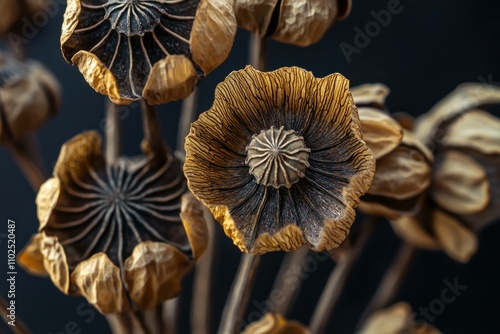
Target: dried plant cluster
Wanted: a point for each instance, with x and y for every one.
(281, 160)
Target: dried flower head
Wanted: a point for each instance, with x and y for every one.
(288, 21)
(29, 96)
(273, 323)
(11, 12)
(395, 320)
(279, 159)
(463, 197)
(156, 49)
(403, 170)
(121, 235)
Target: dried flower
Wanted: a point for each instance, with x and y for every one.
(463, 197)
(149, 48)
(395, 320)
(403, 171)
(29, 96)
(121, 235)
(279, 159)
(295, 22)
(273, 323)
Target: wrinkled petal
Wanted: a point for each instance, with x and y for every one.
(460, 184)
(54, 261)
(457, 241)
(410, 229)
(381, 133)
(370, 95)
(31, 258)
(273, 323)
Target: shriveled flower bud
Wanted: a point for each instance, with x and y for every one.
(29, 96)
(273, 323)
(149, 49)
(121, 235)
(290, 21)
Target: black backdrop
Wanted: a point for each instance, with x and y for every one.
(422, 54)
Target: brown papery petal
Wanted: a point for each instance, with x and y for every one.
(393, 320)
(476, 129)
(99, 281)
(411, 230)
(460, 184)
(194, 223)
(273, 323)
(305, 22)
(465, 97)
(373, 95)
(73, 9)
(213, 33)
(31, 258)
(154, 273)
(381, 133)
(98, 76)
(46, 200)
(401, 174)
(254, 15)
(457, 241)
(171, 78)
(54, 261)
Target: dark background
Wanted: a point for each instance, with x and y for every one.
(425, 51)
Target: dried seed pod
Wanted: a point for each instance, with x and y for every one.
(395, 320)
(279, 159)
(290, 21)
(152, 49)
(117, 233)
(274, 323)
(29, 96)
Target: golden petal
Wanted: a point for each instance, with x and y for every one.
(401, 174)
(460, 184)
(172, 78)
(46, 200)
(31, 258)
(465, 97)
(99, 281)
(254, 15)
(274, 323)
(393, 320)
(54, 261)
(70, 21)
(194, 223)
(304, 22)
(76, 155)
(370, 95)
(457, 241)
(381, 133)
(154, 273)
(98, 76)
(410, 229)
(213, 33)
(477, 129)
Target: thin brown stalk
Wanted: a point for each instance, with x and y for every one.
(239, 295)
(20, 327)
(113, 132)
(188, 114)
(152, 131)
(391, 282)
(258, 52)
(170, 315)
(338, 278)
(203, 282)
(27, 156)
(289, 289)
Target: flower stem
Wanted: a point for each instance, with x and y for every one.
(188, 114)
(20, 327)
(113, 133)
(239, 295)
(170, 315)
(391, 282)
(203, 278)
(152, 132)
(27, 156)
(338, 278)
(283, 283)
(258, 52)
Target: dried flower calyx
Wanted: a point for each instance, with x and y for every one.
(130, 228)
(156, 49)
(29, 96)
(279, 159)
(288, 21)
